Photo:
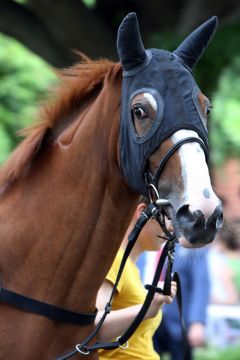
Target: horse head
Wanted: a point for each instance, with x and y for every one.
(163, 130)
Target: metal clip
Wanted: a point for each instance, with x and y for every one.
(170, 255)
(150, 188)
(108, 308)
(124, 346)
(83, 352)
(162, 202)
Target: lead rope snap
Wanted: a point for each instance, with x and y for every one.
(79, 349)
(123, 346)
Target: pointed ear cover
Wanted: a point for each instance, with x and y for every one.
(192, 48)
(129, 43)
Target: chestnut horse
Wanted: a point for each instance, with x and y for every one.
(70, 188)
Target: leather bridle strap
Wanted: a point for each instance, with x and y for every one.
(83, 348)
(154, 179)
(52, 312)
(152, 289)
(167, 252)
(186, 345)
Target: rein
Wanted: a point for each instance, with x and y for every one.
(156, 212)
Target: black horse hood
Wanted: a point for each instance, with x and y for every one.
(168, 78)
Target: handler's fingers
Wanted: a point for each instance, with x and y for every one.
(173, 289)
(168, 299)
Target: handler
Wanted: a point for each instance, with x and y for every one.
(129, 297)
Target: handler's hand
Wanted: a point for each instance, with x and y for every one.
(196, 335)
(160, 299)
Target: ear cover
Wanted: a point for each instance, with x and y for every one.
(192, 48)
(129, 43)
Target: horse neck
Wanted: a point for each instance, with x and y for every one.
(76, 209)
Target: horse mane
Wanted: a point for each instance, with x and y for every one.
(76, 85)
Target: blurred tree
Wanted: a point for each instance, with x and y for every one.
(24, 78)
(52, 29)
(225, 120)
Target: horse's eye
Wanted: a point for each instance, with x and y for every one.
(209, 110)
(143, 112)
(139, 112)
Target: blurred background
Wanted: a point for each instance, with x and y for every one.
(39, 36)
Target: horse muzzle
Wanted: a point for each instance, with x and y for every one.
(195, 228)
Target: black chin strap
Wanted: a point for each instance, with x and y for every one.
(152, 211)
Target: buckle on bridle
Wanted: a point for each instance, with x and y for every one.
(123, 346)
(82, 350)
(162, 202)
(154, 194)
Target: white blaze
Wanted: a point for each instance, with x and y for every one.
(198, 192)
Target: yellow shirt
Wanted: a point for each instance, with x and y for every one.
(131, 292)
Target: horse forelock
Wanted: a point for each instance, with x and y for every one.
(77, 85)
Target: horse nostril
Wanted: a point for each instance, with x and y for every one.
(188, 219)
(219, 222)
(194, 226)
(216, 219)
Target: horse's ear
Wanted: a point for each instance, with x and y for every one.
(192, 48)
(129, 43)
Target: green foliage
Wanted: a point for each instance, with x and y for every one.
(218, 74)
(23, 80)
(89, 3)
(219, 56)
(165, 40)
(213, 353)
(210, 353)
(225, 120)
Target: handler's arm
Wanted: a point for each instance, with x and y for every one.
(119, 320)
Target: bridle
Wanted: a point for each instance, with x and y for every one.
(154, 210)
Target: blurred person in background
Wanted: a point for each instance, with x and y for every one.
(191, 265)
(224, 266)
(130, 296)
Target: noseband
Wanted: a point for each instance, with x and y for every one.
(153, 180)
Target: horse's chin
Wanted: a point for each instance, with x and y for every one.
(186, 244)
